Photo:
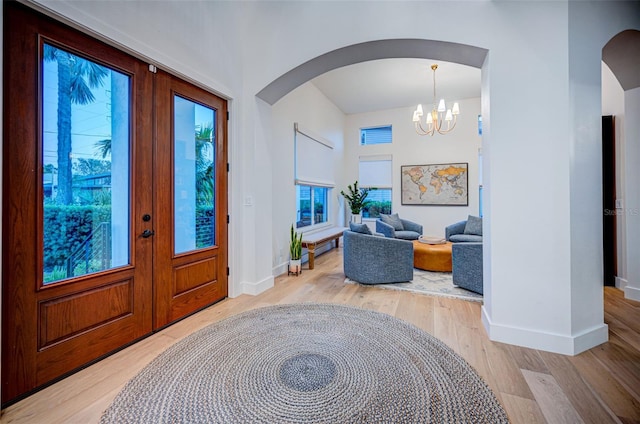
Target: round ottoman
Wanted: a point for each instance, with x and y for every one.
(432, 257)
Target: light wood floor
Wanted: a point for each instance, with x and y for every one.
(599, 386)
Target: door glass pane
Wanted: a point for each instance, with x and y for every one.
(194, 175)
(85, 154)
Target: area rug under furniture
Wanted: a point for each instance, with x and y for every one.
(307, 363)
(431, 283)
(432, 257)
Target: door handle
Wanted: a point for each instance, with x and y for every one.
(147, 233)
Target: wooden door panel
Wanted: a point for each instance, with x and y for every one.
(61, 319)
(194, 275)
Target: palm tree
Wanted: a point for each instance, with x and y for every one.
(76, 78)
(204, 167)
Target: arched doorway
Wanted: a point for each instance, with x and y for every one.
(372, 50)
(355, 56)
(621, 55)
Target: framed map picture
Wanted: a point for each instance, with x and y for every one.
(443, 184)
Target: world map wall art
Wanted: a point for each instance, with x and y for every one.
(443, 184)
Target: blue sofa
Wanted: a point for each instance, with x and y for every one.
(466, 259)
(370, 259)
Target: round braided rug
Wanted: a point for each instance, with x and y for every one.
(307, 363)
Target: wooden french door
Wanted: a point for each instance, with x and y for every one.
(191, 261)
(114, 200)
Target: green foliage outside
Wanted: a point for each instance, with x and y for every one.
(375, 208)
(66, 228)
(58, 273)
(205, 226)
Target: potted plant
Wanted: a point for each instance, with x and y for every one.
(357, 199)
(295, 252)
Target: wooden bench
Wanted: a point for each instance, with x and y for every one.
(311, 241)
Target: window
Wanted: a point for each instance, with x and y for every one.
(194, 183)
(313, 177)
(375, 171)
(380, 202)
(85, 168)
(375, 135)
(312, 205)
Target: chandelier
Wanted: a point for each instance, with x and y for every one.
(440, 118)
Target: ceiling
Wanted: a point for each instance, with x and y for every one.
(394, 83)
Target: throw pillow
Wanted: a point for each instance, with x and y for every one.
(393, 220)
(359, 228)
(474, 226)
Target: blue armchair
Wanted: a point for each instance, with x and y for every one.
(469, 230)
(466, 260)
(394, 227)
(370, 259)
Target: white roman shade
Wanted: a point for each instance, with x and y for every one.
(313, 159)
(375, 171)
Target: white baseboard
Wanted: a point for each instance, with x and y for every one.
(258, 287)
(550, 342)
(280, 269)
(632, 293)
(621, 283)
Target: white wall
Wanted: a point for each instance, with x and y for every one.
(408, 148)
(613, 104)
(632, 194)
(543, 292)
(585, 154)
(307, 106)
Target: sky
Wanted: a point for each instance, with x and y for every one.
(89, 123)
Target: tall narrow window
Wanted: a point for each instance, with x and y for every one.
(313, 177)
(194, 183)
(85, 175)
(375, 172)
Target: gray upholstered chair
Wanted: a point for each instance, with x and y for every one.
(466, 260)
(469, 230)
(370, 259)
(393, 226)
